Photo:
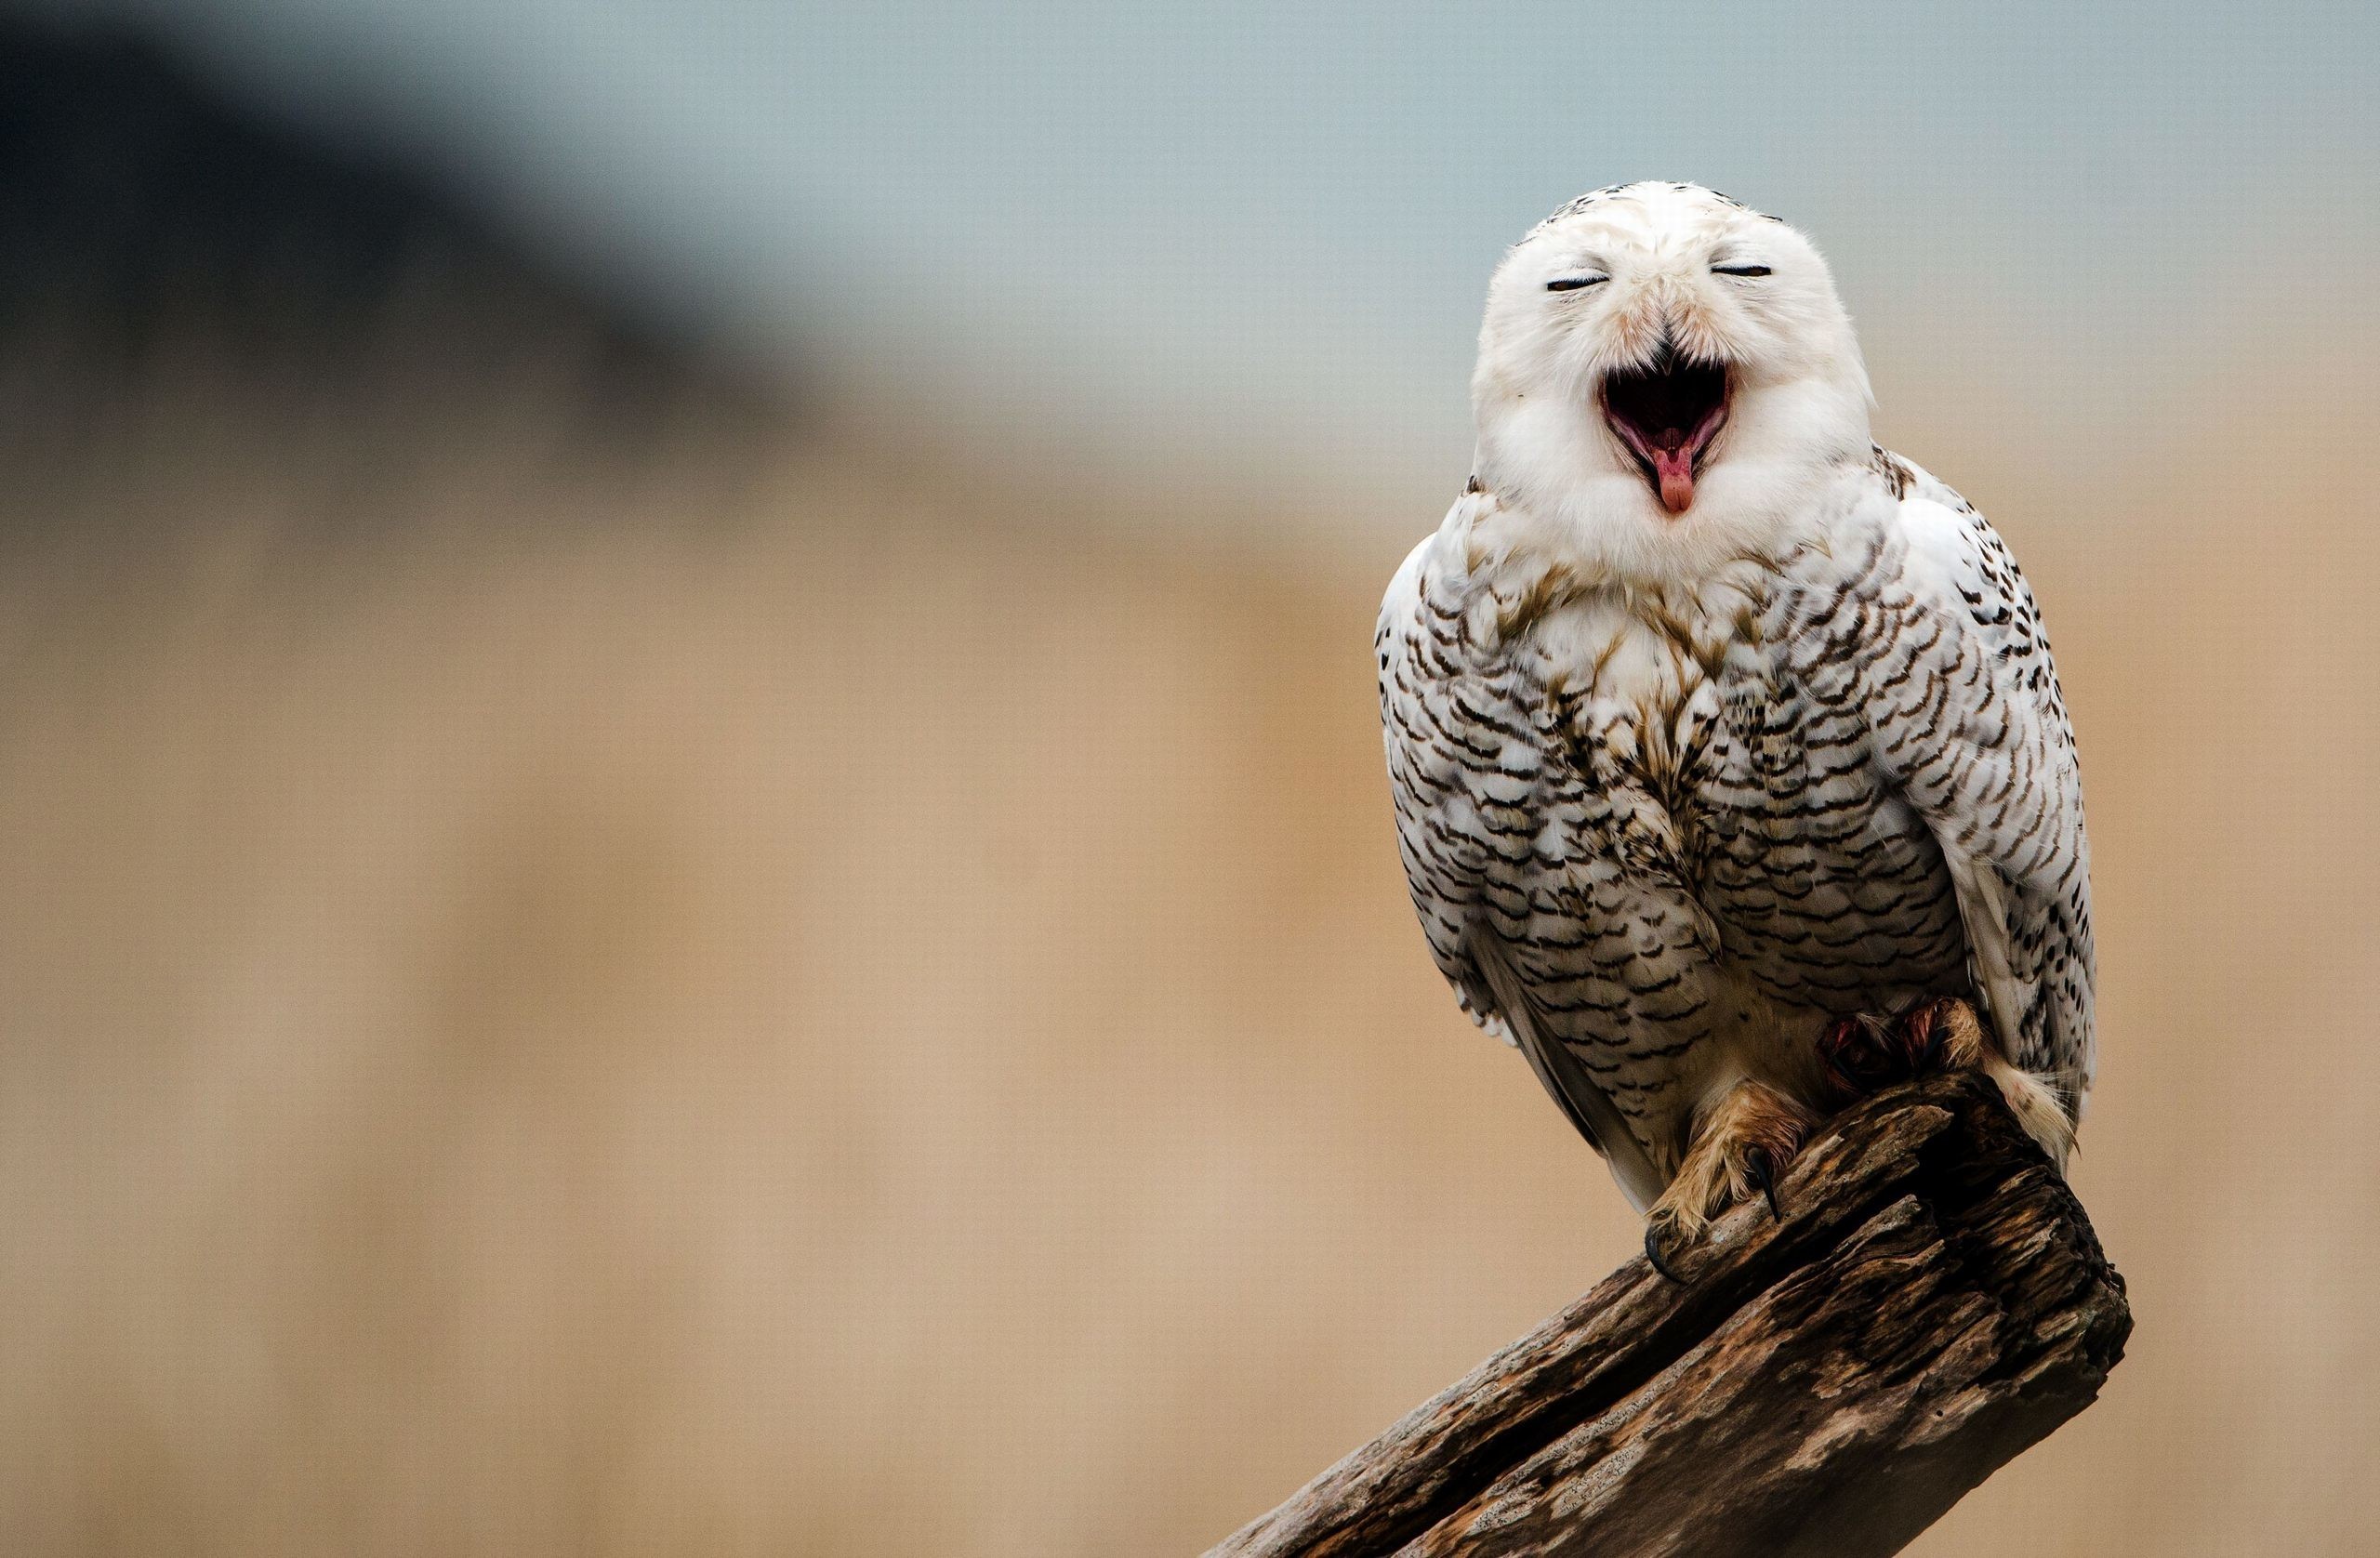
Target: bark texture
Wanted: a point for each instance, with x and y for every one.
(1932, 1301)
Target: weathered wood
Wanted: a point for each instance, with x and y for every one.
(1932, 1301)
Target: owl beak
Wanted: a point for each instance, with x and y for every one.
(1667, 414)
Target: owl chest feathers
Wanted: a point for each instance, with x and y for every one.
(1685, 763)
(1655, 706)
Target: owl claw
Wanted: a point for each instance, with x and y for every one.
(1760, 1167)
(1653, 1253)
(1862, 1054)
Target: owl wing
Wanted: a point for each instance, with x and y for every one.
(1447, 732)
(1467, 770)
(1941, 647)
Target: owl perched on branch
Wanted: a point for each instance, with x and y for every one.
(1731, 771)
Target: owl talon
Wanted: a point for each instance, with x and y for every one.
(1653, 1253)
(1946, 1033)
(1919, 1031)
(1861, 1054)
(1760, 1167)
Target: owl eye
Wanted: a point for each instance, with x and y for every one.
(1572, 283)
(1740, 269)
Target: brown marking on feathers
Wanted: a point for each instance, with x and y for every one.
(1748, 624)
(1655, 611)
(1602, 660)
(1893, 468)
(1690, 649)
(1556, 587)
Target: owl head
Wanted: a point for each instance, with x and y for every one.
(1666, 372)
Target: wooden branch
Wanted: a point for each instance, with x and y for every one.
(1933, 1303)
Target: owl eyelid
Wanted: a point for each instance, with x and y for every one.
(1572, 283)
(1740, 271)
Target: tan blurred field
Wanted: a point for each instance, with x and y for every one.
(552, 1004)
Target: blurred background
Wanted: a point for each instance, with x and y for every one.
(694, 850)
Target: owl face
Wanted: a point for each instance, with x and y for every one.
(1658, 353)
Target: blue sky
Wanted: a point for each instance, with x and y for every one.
(1262, 233)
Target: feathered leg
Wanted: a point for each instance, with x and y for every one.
(1738, 1149)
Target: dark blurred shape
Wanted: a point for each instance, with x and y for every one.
(148, 218)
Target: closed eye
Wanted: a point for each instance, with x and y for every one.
(1740, 269)
(1572, 283)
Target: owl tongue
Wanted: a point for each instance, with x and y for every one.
(1667, 413)
(1673, 455)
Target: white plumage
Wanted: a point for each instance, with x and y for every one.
(1711, 725)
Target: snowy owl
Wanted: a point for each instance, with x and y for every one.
(1731, 771)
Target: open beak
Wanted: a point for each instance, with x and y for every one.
(1667, 414)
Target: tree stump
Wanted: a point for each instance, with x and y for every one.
(1932, 1301)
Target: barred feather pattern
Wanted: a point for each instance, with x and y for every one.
(1682, 828)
